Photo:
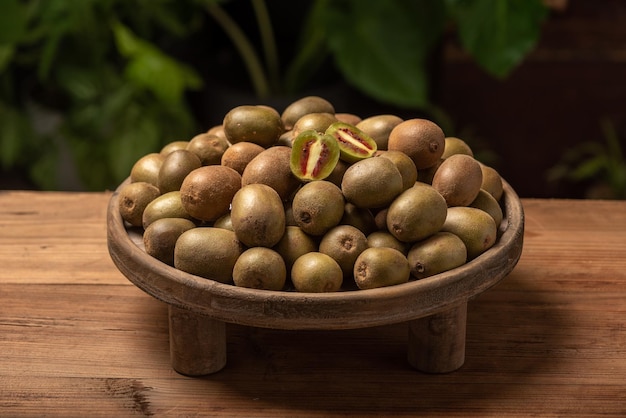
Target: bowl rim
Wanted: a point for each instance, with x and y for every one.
(335, 310)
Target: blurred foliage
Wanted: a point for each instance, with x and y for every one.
(83, 88)
(598, 165)
(385, 48)
(89, 86)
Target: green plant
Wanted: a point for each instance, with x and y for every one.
(384, 47)
(86, 87)
(84, 92)
(601, 165)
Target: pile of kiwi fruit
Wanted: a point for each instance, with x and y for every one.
(313, 200)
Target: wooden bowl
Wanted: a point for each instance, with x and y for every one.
(435, 307)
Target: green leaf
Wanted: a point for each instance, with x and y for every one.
(383, 47)
(150, 68)
(498, 33)
(6, 54)
(13, 21)
(13, 128)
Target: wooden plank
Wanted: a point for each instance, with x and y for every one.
(55, 237)
(549, 340)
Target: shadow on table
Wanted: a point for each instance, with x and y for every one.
(512, 335)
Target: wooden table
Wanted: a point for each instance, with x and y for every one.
(78, 339)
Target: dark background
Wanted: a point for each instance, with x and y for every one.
(522, 126)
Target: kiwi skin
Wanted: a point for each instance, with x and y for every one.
(134, 198)
(380, 267)
(458, 179)
(161, 235)
(208, 252)
(258, 215)
(344, 243)
(317, 207)
(440, 252)
(260, 268)
(420, 139)
(207, 191)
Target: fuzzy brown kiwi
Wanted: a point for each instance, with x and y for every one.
(303, 106)
(238, 155)
(344, 243)
(317, 207)
(147, 168)
(207, 191)
(405, 165)
(372, 183)
(176, 165)
(458, 179)
(208, 147)
(379, 127)
(258, 124)
(134, 198)
(208, 252)
(420, 139)
(379, 267)
(273, 168)
(454, 145)
(260, 268)
(160, 237)
(258, 215)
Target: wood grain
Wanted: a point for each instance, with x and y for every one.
(77, 339)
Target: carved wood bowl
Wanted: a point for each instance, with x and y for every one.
(435, 307)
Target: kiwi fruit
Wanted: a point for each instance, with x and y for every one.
(385, 239)
(167, 205)
(360, 218)
(258, 124)
(207, 191)
(405, 166)
(426, 175)
(147, 168)
(492, 182)
(474, 226)
(260, 268)
(304, 106)
(372, 183)
(417, 213)
(294, 243)
(379, 127)
(173, 146)
(420, 139)
(317, 207)
(208, 147)
(489, 204)
(217, 130)
(316, 272)
(238, 155)
(224, 222)
(454, 145)
(318, 122)
(160, 237)
(354, 144)
(349, 118)
(133, 200)
(344, 243)
(258, 216)
(379, 267)
(314, 155)
(176, 165)
(436, 254)
(273, 168)
(458, 179)
(208, 252)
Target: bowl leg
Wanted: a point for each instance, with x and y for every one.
(197, 342)
(437, 342)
